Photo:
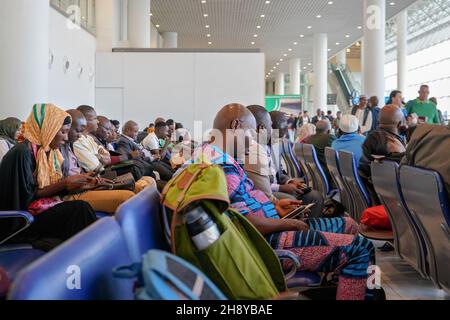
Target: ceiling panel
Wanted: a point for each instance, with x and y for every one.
(233, 24)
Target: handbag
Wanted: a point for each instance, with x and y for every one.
(123, 182)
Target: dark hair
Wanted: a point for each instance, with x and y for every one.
(329, 112)
(178, 126)
(160, 125)
(170, 122)
(376, 144)
(392, 96)
(67, 121)
(84, 109)
(115, 123)
(151, 125)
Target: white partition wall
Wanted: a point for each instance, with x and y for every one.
(186, 87)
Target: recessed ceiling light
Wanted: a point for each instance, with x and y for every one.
(253, 43)
(151, 14)
(255, 36)
(295, 43)
(205, 15)
(359, 27)
(281, 60)
(289, 49)
(210, 43)
(392, 3)
(309, 27)
(157, 26)
(207, 26)
(348, 50)
(267, 2)
(329, 50)
(338, 44)
(258, 27)
(301, 36)
(274, 68)
(203, 1)
(347, 36)
(263, 16)
(330, 2)
(208, 35)
(304, 68)
(309, 64)
(278, 63)
(319, 16)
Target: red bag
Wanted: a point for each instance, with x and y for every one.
(376, 218)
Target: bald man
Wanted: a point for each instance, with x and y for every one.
(317, 242)
(392, 126)
(263, 173)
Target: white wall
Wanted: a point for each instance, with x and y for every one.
(183, 86)
(68, 89)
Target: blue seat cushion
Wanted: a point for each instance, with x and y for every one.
(13, 258)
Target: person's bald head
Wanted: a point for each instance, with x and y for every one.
(280, 123)
(236, 124)
(78, 125)
(323, 126)
(103, 132)
(263, 122)
(391, 117)
(131, 130)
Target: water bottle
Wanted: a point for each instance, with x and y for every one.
(201, 228)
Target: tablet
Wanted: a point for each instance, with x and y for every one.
(299, 211)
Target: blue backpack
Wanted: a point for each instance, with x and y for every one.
(163, 276)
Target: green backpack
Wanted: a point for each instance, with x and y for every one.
(241, 262)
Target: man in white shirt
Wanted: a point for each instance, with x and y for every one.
(364, 115)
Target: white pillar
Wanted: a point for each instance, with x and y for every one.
(294, 73)
(123, 43)
(320, 67)
(341, 58)
(139, 23)
(362, 66)
(374, 48)
(279, 84)
(402, 48)
(269, 86)
(170, 40)
(107, 17)
(24, 57)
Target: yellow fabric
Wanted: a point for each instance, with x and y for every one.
(42, 126)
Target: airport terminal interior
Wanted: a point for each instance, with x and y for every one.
(225, 150)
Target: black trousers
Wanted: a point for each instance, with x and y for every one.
(58, 224)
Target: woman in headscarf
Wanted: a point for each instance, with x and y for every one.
(32, 180)
(10, 130)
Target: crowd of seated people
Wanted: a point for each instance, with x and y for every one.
(55, 173)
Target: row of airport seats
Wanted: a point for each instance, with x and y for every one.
(415, 200)
(110, 242)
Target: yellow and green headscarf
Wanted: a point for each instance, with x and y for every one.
(42, 126)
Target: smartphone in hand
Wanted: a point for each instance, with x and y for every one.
(299, 212)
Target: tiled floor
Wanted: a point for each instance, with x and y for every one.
(402, 282)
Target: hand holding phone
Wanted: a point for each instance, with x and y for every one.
(299, 212)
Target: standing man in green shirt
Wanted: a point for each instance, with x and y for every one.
(423, 107)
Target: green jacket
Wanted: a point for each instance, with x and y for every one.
(424, 109)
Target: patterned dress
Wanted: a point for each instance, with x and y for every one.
(330, 245)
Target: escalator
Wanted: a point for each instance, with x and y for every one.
(342, 83)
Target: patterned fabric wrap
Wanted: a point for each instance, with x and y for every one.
(42, 126)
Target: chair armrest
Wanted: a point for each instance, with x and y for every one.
(288, 255)
(22, 215)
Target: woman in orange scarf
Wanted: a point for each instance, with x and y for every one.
(32, 179)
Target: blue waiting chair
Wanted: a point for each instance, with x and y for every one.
(426, 198)
(320, 181)
(359, 194)
(145, 227)
(408, 241)
(333, 167)
(141, 221)
(293, 168)
(14, 257)
(298, 151)
(79, 269)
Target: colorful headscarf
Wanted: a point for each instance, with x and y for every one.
(8, 129)
(42, 126)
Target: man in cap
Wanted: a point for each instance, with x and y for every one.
(349, 139)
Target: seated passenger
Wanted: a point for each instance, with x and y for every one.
(322, 139)
(323, 245)
(103, 132)
(10, 130)
(349, 139)
(428, 148)
(260, 169)
(32, 180)
(307, 130)
(103, 201)
(385, 142)
(152, 144)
